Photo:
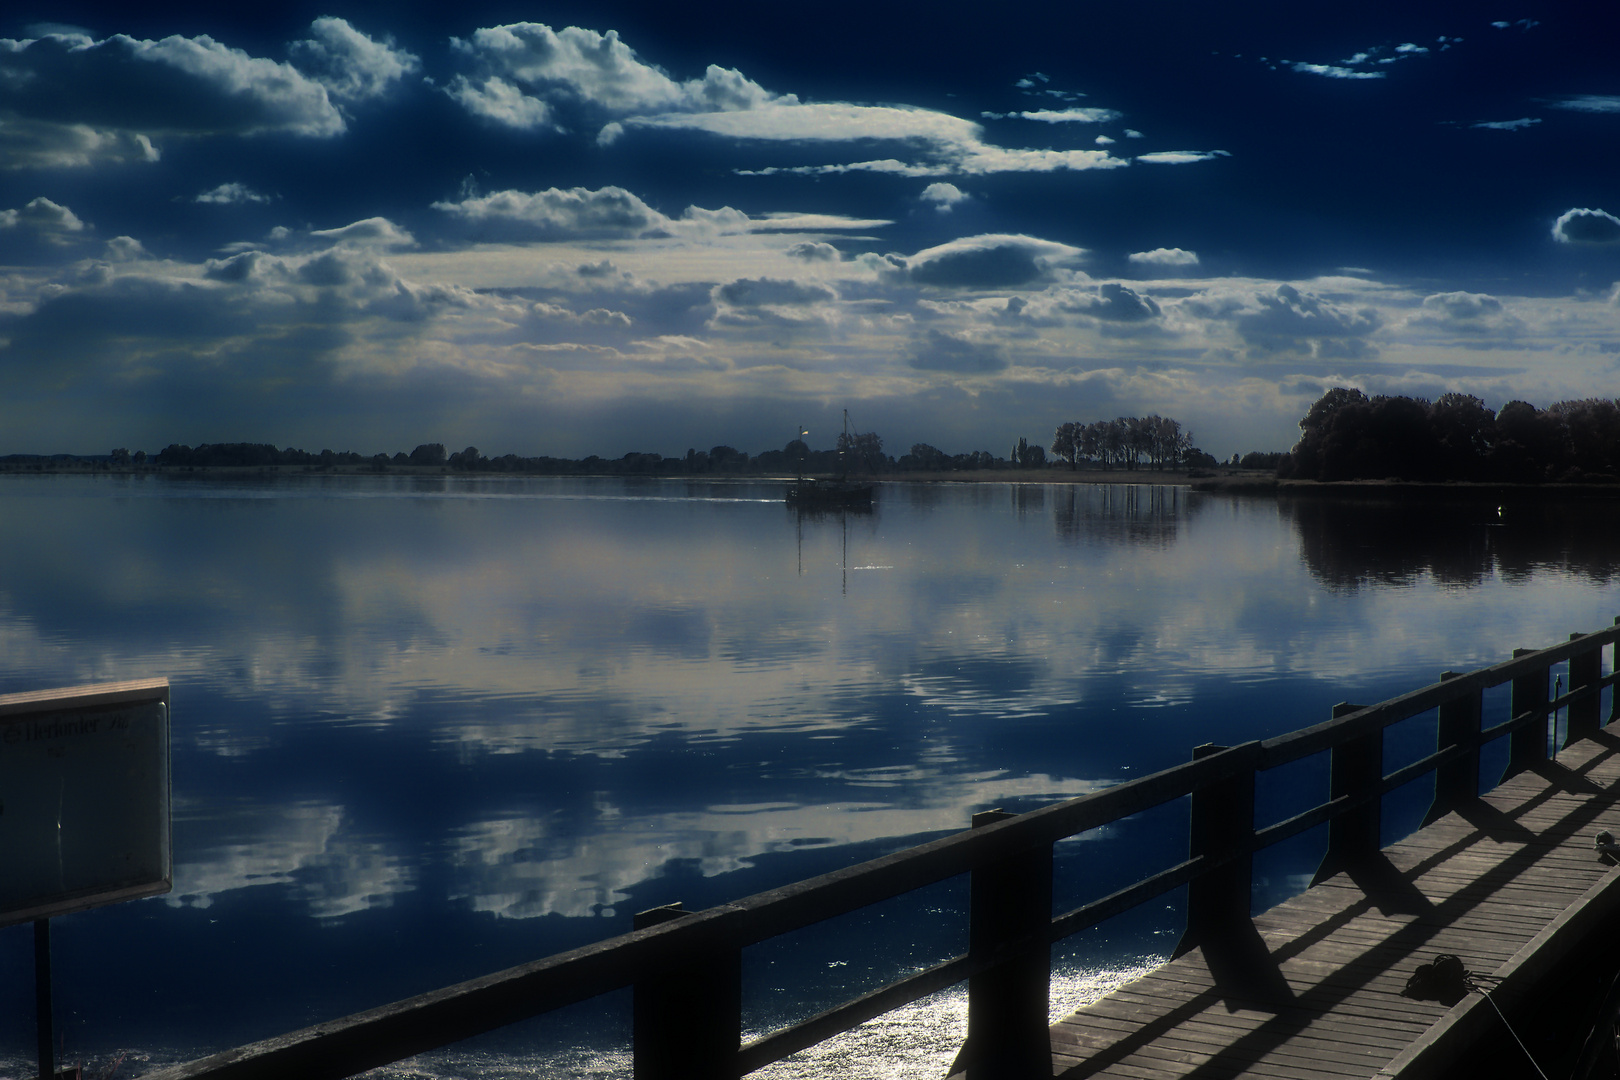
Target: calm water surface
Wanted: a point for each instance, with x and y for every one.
(428, 728)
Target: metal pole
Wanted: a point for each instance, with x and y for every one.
(42, 997)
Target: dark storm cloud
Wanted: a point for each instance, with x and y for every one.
(1287, 320)
(1115, 303)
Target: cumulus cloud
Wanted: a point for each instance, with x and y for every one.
(352, 66)
(770, 292)
(939, 350)
(229, 193)
(496, 99)
(1072, 116)
(1164, 257)
(1582, 226)
(610, 211)
(175, 86)
(125, 249)
(1114, 302)
(521, 65)
(43, 216)
(994, 260)
(1464, 313)
(42, 144)
(943, 196)
(1288, 320)
(813, 251)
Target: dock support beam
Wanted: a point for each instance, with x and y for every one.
(1527, 745)
(1456, 783)
(1222, 822)
(1356, 770)
(1585, 669)
(1009, 900)
(687, 1020)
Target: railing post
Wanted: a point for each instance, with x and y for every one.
(1357, 768)
(1585, 669)
(1456, 783)
(1527, 745)
(687, 1018)
(1007, 1034)
(1614, 693)
(1222, 822)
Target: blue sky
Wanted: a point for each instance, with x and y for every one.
(574, 229)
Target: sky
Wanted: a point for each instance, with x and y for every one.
(576, 229)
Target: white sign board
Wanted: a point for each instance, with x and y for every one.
(84, 798)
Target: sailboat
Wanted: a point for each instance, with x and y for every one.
(842, 492)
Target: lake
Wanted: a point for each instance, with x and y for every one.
(429, 727)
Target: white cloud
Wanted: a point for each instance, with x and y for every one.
(772, 292)
(1581, 226)
(352, 66)
(1332, 71)
(68, 99)
(943, 196)
(1595, 103)
(595, 69)
(607, 211)
(376, 232)
(1508, 125)
(1132, 133)
(125, 249)
(1465, 313)
(527, 71)
(1181, 157)
(613, 211)
(1103, 140)
(229, 193)
(498, 100)
(993, 260)
(1288, 320)
(49, 219)
(1072, 116)
(43, 144)
(1164, 257)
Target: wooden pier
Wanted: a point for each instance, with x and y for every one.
(1511, 885)
(1510, 881)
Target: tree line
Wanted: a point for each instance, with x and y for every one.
(1348, 436)
(860, 453)
(1124, 443)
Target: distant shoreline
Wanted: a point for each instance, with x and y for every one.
(1218, 482)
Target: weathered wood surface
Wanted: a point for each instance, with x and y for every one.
(1482, 884)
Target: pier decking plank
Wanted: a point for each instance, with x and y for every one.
(1481, 883)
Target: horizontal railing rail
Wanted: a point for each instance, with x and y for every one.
(697, 1035)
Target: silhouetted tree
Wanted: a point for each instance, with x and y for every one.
(428, 454)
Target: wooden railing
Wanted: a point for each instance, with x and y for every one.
(685, 967)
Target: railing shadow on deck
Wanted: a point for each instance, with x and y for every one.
(685, 967)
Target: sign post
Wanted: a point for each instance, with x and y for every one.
(84, 810)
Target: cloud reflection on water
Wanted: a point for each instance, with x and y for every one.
(501, 709)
